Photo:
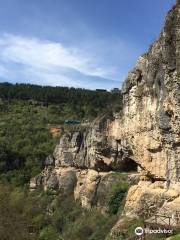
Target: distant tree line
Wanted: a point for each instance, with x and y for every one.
(56, 95)
(77, 102)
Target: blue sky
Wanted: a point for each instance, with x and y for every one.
(80, 43)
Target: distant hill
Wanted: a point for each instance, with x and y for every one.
(87, 103)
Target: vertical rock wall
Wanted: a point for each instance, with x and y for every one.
(150, 120)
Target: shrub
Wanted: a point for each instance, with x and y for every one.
(176, 237)
(118, 194)
(49, 233)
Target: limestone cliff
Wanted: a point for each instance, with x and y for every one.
(145, 135)
(93, 148)
(150, 120)
(150, 124)
(84, 164)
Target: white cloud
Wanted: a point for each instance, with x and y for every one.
(45, 55)
(3, 71)
(89, 65)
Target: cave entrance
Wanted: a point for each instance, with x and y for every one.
(128, 165)
(123, 165)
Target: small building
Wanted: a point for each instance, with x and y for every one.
(116, 90)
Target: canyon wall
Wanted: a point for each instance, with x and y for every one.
(143, 137)
(87, 163)
(150, 120)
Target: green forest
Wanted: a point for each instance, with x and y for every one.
(76, 103)
(27, 112)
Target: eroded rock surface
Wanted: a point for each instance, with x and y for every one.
(150, 124)
(147, 130)
(150, 121)
(93, 148)
(145, 135)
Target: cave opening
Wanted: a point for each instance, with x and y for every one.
(128, 165)
(124, 165)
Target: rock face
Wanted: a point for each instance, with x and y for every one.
(150, 121)
(85, 163)
(147, 130)
(150, 124)
(92, 188)
(145, 135)
(94, 148)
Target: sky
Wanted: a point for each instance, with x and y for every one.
(76, 43)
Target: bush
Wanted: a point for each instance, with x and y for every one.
(90, 225)
(118, 194)
(176, 237)
(12, 221)
(49, 233)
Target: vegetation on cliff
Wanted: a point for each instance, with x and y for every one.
(48, 215)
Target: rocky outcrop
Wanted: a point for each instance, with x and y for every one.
(145, 135)
(93, 148)
(85, 163)
(150, 125)
(150, 120)
(92, 188)
(147, 130)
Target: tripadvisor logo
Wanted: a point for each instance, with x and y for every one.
(139, 231)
